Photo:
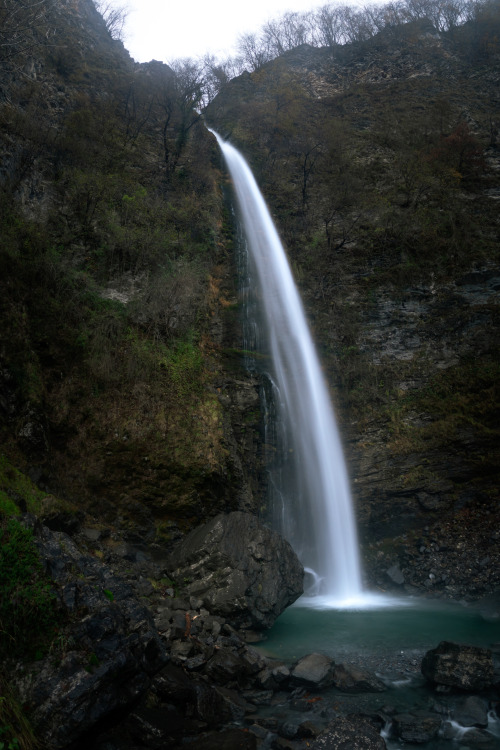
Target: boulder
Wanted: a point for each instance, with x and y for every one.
(231, 739)
(313, 671)
(472, 712)
(240, 569)
(226, 666)
(459, 666)
(349, 734)
(350, 679)
(416, 728)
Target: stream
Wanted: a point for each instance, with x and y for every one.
(387, 636)
(389, 640)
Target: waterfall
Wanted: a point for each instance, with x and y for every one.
(319, 522)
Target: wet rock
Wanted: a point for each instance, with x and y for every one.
(307, 729)
(172, 685)
(314, 671)
(234, 704)
(396, 575)
(481, 739)
(459, 666)
(290, 729)
(115, 649)
(226, 666)
(240, 569)
(232, 739)
(156, 728)
(217, 705)
(298, 729)
(350, 679)
(472, 712)
(258, 697)
(349, 734)
(416, 727)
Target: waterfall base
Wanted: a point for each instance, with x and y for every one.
(363, 601)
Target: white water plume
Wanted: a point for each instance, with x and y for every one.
(320, 524)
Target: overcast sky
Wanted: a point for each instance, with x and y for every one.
(168, 29)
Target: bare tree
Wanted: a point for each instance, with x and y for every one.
(253, 51)
(217, 74)
(180, 101)
(114, 16)
(286, 32)
(328, 26)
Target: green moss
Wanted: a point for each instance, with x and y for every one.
(7, 505)
(16, 732)
(28, 618)
(184, 362)
(463, 397)
(15, 489)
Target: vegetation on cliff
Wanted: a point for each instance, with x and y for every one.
(379, 159)
(121, 390)
(112, 226)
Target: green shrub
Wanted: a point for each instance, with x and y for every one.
(16, 732)
(28, 606)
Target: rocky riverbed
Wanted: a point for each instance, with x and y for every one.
(141, 662)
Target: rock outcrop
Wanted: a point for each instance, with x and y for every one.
(106, 653)
(459, 666)
(239, 569)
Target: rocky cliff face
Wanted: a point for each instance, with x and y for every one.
(380, 163)
(121, 387)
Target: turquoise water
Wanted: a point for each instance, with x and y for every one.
(377, 633)
(390, 640)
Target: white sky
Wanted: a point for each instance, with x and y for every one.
(168, 29)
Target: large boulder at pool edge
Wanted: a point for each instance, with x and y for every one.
(240, 570)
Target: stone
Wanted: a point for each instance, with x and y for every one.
(417, 728)
(472, 712)
(395, 574)
(314, 671)
(240, 569)
(348, 734)
(172, 685)
(459, 666)
(232, 739)
(226, 666)
(480, 739)
(217, 705)
(350, 679)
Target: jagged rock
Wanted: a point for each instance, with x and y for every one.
(314, 670)
(459, 666)
(114, 648)
(226, 666)
(418, 727)
(217, 705)
(155, 728)
(240, 569)
(347, 734)
(396, 575)
(350, 679)
(258, 697)
(472, 712)
(232, 739)
(172, 685)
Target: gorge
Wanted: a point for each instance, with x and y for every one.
(137, 574)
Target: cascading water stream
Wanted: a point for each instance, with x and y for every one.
(324, 531)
